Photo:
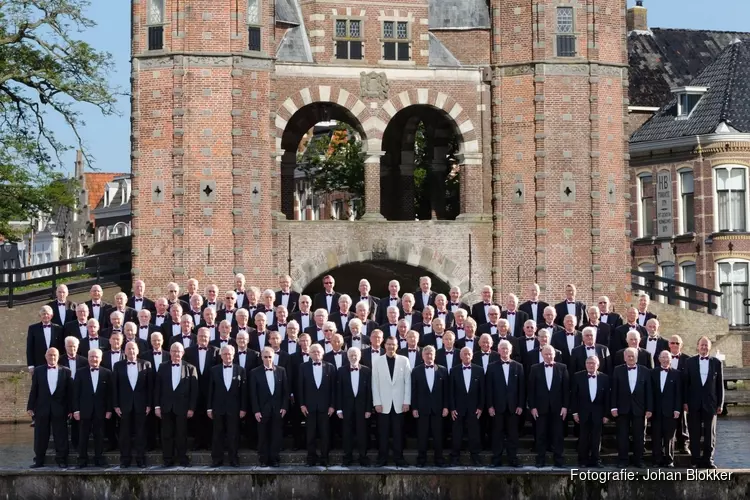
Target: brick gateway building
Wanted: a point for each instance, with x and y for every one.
(535, 93)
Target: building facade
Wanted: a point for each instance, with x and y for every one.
(534, 95)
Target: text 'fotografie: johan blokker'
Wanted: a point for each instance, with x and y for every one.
(650, 475)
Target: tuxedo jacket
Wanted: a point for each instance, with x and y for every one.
(167, 330)
(662, 344)
(533, 358)
(320, 302)
(212, 359)
(46, 404)
(142, 344)
(155, 367)
(364, 341)
(366, 330)
(107, 357)
(580, 397)
(526, 307)
(417, 356)
(341, 320)
(554, 327)
(460, 344)
(223, 401)
(682, 362)
(221, 315)
(448, 318)
(521, 348)
(261, 399)
(613, 319)
(548, 400)
(292, 301)
(441, 358)
(619, 340)
(641, 400)
(70, 312)
(312, 331)
(603, 333)
(241, 302)
(286, 343)
(415, 315)
(90, 403)
(430, 339)
(581, 354)
(316, 399)
(254, 342)
(477, 312)
(582, 316)
(644, 358)
(502, 395)
(179, 339)
(430, 402)
(419, 304)
(217, 343)
(649, 315)
(479, 355)
(74, 329)
(185, 297)
(667, 400)
(146, 303)
(124, 396)
(103, 313)
(129, 314)
(386, 329)
(367, 355)
(346, 401)
(462, 401)
(559, 341)
(391, 392)
(372, 303)
(252, 360)
(150, 328)
(383, 305)
(181, 399)
(329, 357)
(185, 305)
(81, 363)
(155, 315)
(521, 318)
(283, 361)
(36, 344)
(709, 396)
(513, 344)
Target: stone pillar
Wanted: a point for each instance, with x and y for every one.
(372, 186)
(471, 185)
(407, 186)
(388, 189)
(438, 171)
(288, 164)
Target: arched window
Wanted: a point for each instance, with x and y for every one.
(730, 200)
(732, 280)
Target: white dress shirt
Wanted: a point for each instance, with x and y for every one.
(327, 347)
(143, 333)
(291, 348)
(535, 311)
(157, 361)
(355, 380)
(469, 342)
(212, 306)
(344, 321)
(375, 355)
(176, 329)
(176, 374)
(571, 340)
(52, 374)
(662, 378)
(460, 333)
(338, 358)
(329, 299)
(571, 308)
(511, 321)
(703, 365)
(673, 362)
(485, 360)
(393, 330)
(83, 331)
(285, 299)
(449, 361)
(270, 380)
(426, 299)
(632, 378)
(201, 359)
(320, 334)
(530, 344)
(548, 374)
(227, 377)
(304, 322)
(138, 304)
(132, 375)
(412, 357)
(541, 358)
(427, 329)
(318, 374)
(603, 318)
(95, 379)
(269, 317)
(116, 356)
(357, 342)
(364, 329)
(73, 367)
(47, 334)
(159, 321)
(651, 345)
(241, 297)
(467, 377)
(61, 310)
(408, 318)
(262, 340)
(506, 372)
(641, 318)
(229, 317)
(96, 310)
(276, 358)
(592, 387)
(438, 342)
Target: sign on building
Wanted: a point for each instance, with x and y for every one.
(664, 216)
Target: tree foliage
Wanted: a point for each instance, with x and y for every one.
(45, 70)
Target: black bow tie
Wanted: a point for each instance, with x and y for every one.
(666, 369)
(328, 341)
(240, 293)
(570, 334)
(591, 347)
(357, 338)
(284, 293)
(337, 353)
(281, 324)
(505, 362)
(363, 298)
(412, 350)
(227, 367)
(652, 339)
(353, 369)
(186, 337)
(160, 316)
(82, 324)
(454, 304)
(511, 313)
(570, 302)
(467, 367)
(142, 328)
(316, 364)
(95, 369)
(303, 314)
(202, 348)
(132, 362)
(269, 369)
(485, 354)
(704, 358)
(427, 367)
(675, 357)
(291, 341)
(469, 340)
(93, 339)
(592, 376)
(61, 304)
(534, 301)
(329, 295)
(448, 352)
(548, 366)
(139, 300)
(394, 299)
(632, 367)
(46, 326)
(71, 359)
(94, 305)
(210, 303)
(175, 365)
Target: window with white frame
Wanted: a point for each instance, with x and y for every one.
(667, 271)
(155, 21)
(396, 40)
(732, 280)
(348, 39)
(689, 275)
(646, 205)
(253, 25)
(566, 38)
(687, 206)
(649, 281)
(731, 198)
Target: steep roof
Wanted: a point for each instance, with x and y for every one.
(727, 100)
(661, 59)
(95, 183)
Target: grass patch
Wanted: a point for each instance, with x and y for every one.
(45, 284)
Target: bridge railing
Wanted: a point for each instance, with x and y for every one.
(670, 291)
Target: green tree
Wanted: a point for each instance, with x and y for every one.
(44, 70)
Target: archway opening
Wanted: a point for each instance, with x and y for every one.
(323, 144)
(378, 273)
(419, 171)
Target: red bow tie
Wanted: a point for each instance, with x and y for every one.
(511, 313)
(592, 376)
(202, 348)
(675, 357)
(704, 358)
(570, 334)
(666, 369)
(52, 367)
(548, 366)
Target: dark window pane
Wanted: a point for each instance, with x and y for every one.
(388, 29)
(401, 30)
(355, 50)
(354, 31)
(340, 28)
(689, 210)
(403, 51)
(389, 51)
(342, 50)
(566, 45)
(155, 38)
(254, 38)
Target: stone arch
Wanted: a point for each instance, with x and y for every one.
(440, 100)
(371, 126)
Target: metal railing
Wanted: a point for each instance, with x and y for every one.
(671, 293)
(18, 284)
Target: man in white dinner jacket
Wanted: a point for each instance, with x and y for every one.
(391, 396)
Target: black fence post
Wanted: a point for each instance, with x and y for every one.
(54, 280)
(98, 271)
(10, 290)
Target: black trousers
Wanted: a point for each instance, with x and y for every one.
(270, 437)
(59, 426)
(174, 437)
(429, 425)
(354, 428)
(663, 438)
(318, 426)
(683, 438)
(702, 424)
(293, 422)
(630, 425)
(390, 424)
(153, 430)
(505, 435)
(111, 431)
(590, 441)
(91, 426)
(549, 431)
(74, 427)
(132, 435)
(201, 428)
(471, 423)
(225, 427)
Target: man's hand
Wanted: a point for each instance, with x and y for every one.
(257, 417)
(77, 415)
(718, 410)
(605, 420)
(614, 413)
(303, 409)
(31, 413)
(684, 408)
(564, 413)
(283, 413)
(118, 411)
(31, 370)
(576, 419)
(677, 414)
(340, 415)
(148, 410)
(415, 413)
(190, 414)
(445, 412)
(368, 414)
(478, 413)
(491, 411)
(243, 413)
(534, 413)
(519, 410)
(157, 412)
(454, 414)
(379, 408)
(648, 415)
(108, 415)
(330, 411)
(210, 414)
(405, 408)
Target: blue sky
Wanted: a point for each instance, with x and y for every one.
(108, 138)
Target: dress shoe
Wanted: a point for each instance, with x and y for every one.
(515, 463)
(36, 465)
(540, 465)
(347, 461)
(311, 462)
(496, 462)
(262, 463)
(184, 463)
(82, 465)
(323, 462)
(420, 464)
(401, 463)
(559, 465)
(124, 465)
(365, 462)
(382, 463)
(711, 465)
(440, 463)
(216, 463)
(62, 465)
(101, 462)
(141, 464)
(275, 463)
(476, 462)
(169, 463)
(234, 463)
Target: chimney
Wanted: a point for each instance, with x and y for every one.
(79, 165)
(637, 17)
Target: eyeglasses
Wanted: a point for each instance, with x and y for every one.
(267, 357)
(328, 282)
(327, 330)
(674, 343)
(602, 302)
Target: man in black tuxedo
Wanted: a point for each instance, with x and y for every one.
(175, 400)
(266, 307)
(161, 315)
(603, 330)
(607, 316)
(286, 296)
(632, 406)
(392, 299)
(223, 335)
(304, 316)
(192, 289)
(533, 307)
(240, 292)
(467, 396)
(455, 303)
(196, 309)
(356, 338)
(589, 348)
(667, 389)
(41, 337)
(186, 337)
(514, 316)
(571, 306)
(493, 322)
(144, 327)
(158, 358)
(618, 338)
(121, 305)
(506, 397)
(471, 339)
(212, 298)
(315, 330)
(203, 357)
(364, 296)
(362, 314)
(590, 406)
(679, 362)
(50, 406)
(567, 340)
(704, 400)
(485, 356)
(479, 310)
(527, 343)
(77, 326)
(390, 326)
(643, 357)
(93, 340)
(244, 356)
(241, 322)
(653, 342)
(424, 296)
(172, 326)
(173, 297)
(226, 406)
(535, 356)
(139, 301)
(412, 351)
(63, 310)
(643, 313)
(132, 400)
(130, 333)
(549, 321)
(407, 311)
(294, 417)
(98, 309)
(429, 405)
(316, 391)
(373, 351)
(75, 363)
(548, 393)
(269, 398)
(93, 392)
(342, 314)
(328, 298)
(114, 352)
(229, 310)
(442, 311)
(337, 355)
(354, 406)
